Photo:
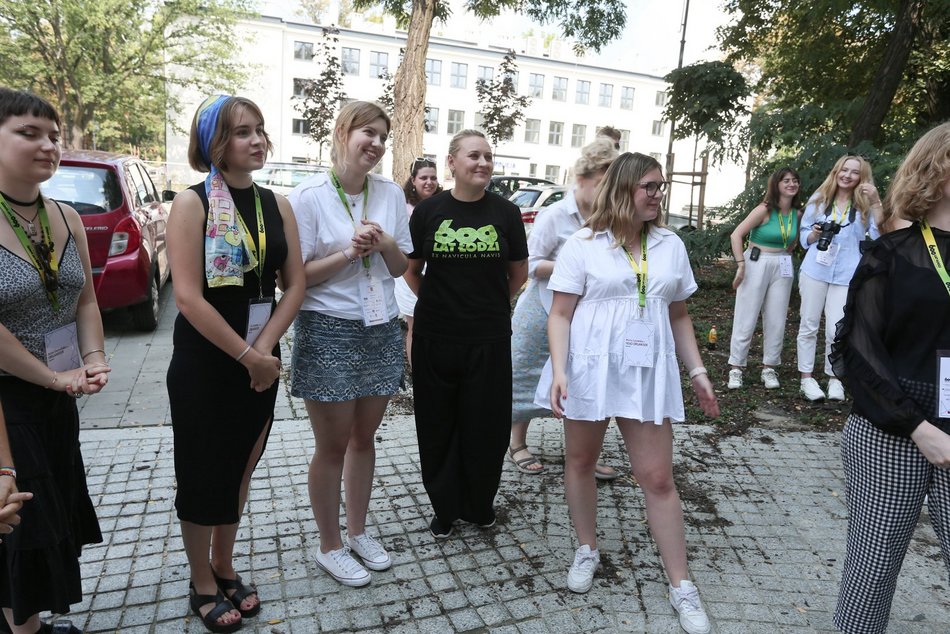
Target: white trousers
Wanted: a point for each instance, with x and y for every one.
(817, 298)
(763, 290)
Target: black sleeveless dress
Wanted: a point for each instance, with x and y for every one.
(216, 416)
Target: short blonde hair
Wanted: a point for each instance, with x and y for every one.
(222, 135)
(353, 115)
(825, 194)
(921, 178)
(595, 158)
(613, 206)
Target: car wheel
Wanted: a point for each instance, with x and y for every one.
(145, 315)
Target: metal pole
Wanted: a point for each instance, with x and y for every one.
(669, 151)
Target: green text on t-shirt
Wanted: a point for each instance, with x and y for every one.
(465, 239)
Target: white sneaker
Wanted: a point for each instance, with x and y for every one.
(770, 378)
(685, 600)
(835, 390)
(735, 379)
(340, 565)
(372, 553)
(812, 390)
(581, 575)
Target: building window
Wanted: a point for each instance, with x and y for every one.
(582, 96)
(552, 173)
(578, 134)
(660, 98)
(626, 98)
(657, 128)
(535, 85)
(432, 119)
(459, 76)
(434, 72)
(486, 73)
(303, 50)
(532, 169)
(514, 78)
(479, 121)
(456, 121)
(559, 90)
(378, 63)
(301, 126)
(555, 131)
(624, 140)
(300, 86)
(606, 98)
(350, 61)
(532, 130)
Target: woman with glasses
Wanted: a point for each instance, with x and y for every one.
(51, 353)
(618, 326)
(764, 276)
(843, 213)
(892, 353)
(529, 341)
(348, 357)
(472, 244)
(423, 182)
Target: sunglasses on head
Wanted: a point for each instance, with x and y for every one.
(45, 257)
(420, 162)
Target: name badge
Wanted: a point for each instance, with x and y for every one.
(943, 384)
(785, 266)
(62, 349)
(827, 258)
(258, 313)
(373, 301)
(639, 344)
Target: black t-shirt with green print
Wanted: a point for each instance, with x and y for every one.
(467, 247)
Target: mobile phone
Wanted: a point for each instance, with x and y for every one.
(754, 254)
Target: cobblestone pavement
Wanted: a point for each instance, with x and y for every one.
(765, 519)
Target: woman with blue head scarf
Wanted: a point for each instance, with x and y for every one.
(228, 240)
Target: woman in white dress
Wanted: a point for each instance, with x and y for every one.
(617, 323)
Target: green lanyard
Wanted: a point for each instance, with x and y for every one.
(935, 253)
(342, 194)
(261, 241)
(30, 250)
(844, 214)
(641, 270)
(785, 231)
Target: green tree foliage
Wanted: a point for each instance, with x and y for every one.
(501, 105)
(107, 65)
(322, 96)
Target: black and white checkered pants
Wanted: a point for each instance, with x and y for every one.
(887, 480)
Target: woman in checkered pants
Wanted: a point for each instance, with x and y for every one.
(893, 353)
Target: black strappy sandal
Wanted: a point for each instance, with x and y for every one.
(241, 592)
(221, 606)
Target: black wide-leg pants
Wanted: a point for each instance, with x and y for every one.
(462, 395)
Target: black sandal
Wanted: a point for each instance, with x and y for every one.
(241, 592)
(221, 606)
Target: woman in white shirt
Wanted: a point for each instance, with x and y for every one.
(618, 321)
(347, 357)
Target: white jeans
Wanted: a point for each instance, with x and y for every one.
(818, 297)
(764, 290)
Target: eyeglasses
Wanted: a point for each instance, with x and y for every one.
(44, 257)
(653, 187)
(790, 181)
(421, 161)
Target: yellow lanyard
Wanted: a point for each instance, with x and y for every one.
(261, 241)
(49, 277)
(640, 270)
(785, 231)
(934, 252)
(834, 212)
(342, 194)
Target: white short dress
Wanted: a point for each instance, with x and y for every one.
(599, 385)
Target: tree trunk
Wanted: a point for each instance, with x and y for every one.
(889, 73)
(409, 91)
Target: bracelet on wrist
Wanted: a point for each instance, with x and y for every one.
(53, 382)
(696, 372)
(8, 471)
(93, 352)
(351, 260)
(740, 261)
(244, 352)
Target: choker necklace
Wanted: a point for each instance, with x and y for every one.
(20, 203)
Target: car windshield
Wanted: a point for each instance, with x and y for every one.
(525, 197)
(88, 190)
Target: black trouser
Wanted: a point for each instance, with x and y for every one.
(462, 398)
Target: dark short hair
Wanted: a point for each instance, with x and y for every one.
(222, 135)
(16, 103)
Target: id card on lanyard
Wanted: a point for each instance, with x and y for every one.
(62, 349)
(943, 383)
(640, 334)
(258, 310)
(785, 268)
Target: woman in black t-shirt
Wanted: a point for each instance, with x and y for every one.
(473, 245)
(892, 353)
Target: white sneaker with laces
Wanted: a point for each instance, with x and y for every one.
(372, 553)
(685, 600)
(581, 575)
(770, 378)
(835, 390)
(735, 379)
(340, 565)
(812, 390)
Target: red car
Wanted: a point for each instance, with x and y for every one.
(124, 216)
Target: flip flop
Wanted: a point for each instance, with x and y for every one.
(601, 472)
(522, 465)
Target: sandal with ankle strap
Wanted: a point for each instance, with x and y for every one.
(241, 592)
(221, 606)
(522, 465)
